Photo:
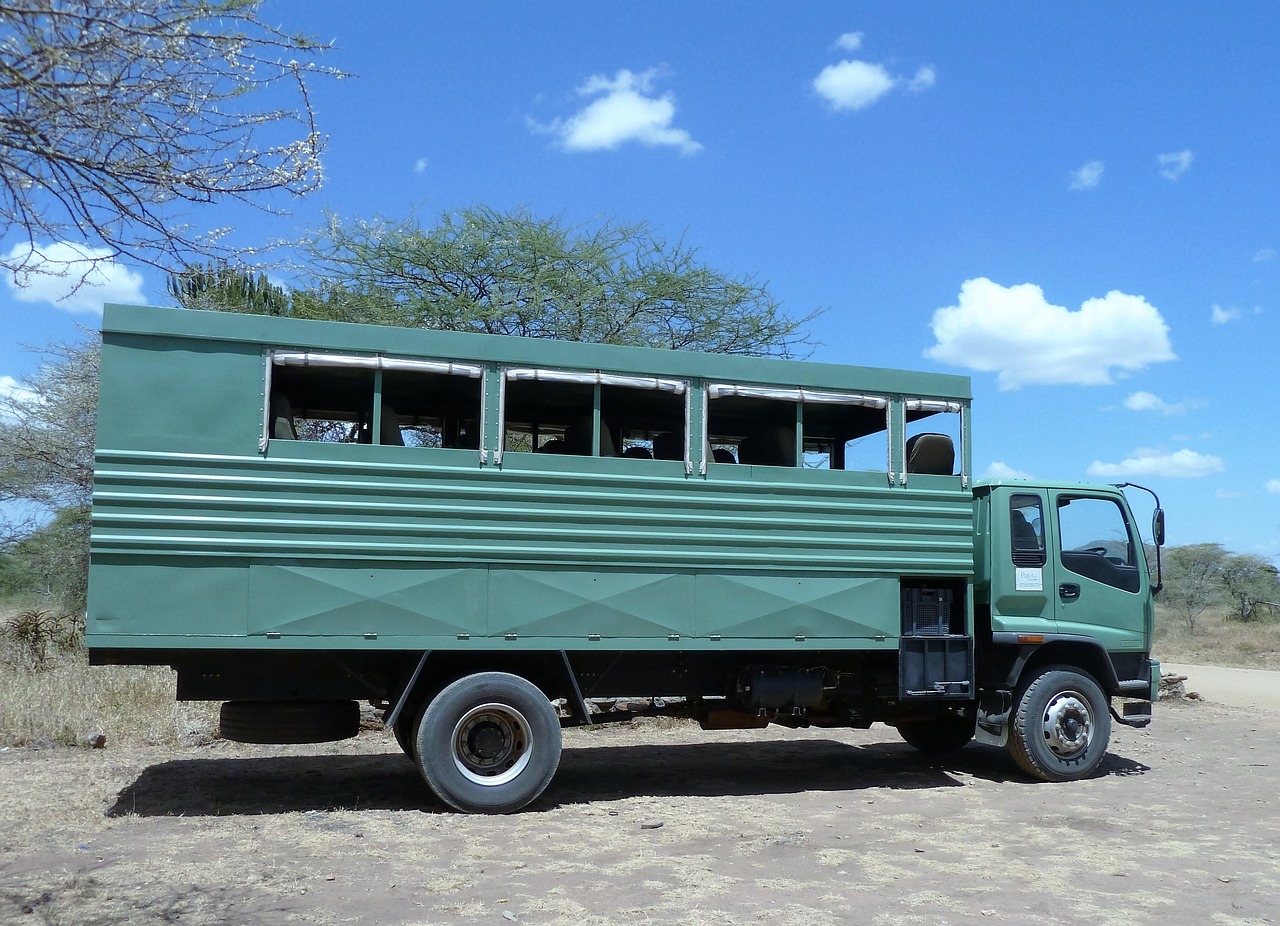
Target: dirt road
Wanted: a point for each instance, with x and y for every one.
(1253, 688)
(779, 827)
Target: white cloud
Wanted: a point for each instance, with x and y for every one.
(623, 110)
(850, 41)
(1001, 470)
(420, 166)
(13, 391)
(73, 277)
(1150, 402)
(1088, 176)
(853, 84)
(925, 78)
(1220, 316)
(1175, 163)
(1262, 255)
(1181, 464)
(1015, 332)
(10, 387)
(1273, 486)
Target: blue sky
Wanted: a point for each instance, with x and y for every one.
(1080, 208)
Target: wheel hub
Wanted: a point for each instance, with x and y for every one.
(491, 744)
(487, 741)
(1068, 724)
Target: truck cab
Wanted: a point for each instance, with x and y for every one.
(1062, 590)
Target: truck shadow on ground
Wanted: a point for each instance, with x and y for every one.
(389, 781)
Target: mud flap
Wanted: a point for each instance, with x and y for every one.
(994, 708)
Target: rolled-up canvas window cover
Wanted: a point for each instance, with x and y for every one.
(675, 386)
(722, 390)
(933, 405)
(285, 358)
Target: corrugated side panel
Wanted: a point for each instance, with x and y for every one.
(431, 554)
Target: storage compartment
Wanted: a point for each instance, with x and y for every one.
(935, 667)
(926, 612)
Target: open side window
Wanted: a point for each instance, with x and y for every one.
(768, 426)
(595, 414)
(335, 398)
(933, 437)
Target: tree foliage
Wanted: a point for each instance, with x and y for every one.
(219, 286)
(1192, 580)
(113, 112)
(52, 562)
(1204, 575)
(47, 425)
(480, 269)
(1251, 583)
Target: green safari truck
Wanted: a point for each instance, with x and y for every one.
(491, 538)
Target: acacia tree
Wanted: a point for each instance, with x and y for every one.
(1193, 580)
(1253, 584)
(1199, 576)
(47, 425)
(115, 112)
(480, 269)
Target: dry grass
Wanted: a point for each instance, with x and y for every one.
(66, 702)
(1218, 641)
(49, 694)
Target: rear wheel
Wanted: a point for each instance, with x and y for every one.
(937, 735)
(1062, 727)
(488, 743)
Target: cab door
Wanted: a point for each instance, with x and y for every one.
(1101, 576)
(1022, 571)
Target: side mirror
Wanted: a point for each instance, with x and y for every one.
(1157, 527)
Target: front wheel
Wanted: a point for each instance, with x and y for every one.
(1062, 727)
(488, 743)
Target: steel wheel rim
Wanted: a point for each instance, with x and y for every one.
(1067, 724)
(491, 744)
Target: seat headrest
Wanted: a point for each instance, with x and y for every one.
(282, 427)
(389, 427)
(931, 454)
(774, 445)
(577, 438)
(667, 446)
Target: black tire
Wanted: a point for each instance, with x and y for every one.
(1062, 726)
(939, 735)
(288, 721)
(489, 743)
(405, 731)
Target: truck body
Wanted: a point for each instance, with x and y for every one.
(493, 537)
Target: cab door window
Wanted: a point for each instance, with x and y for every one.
(1096, 542)
(1026, 525)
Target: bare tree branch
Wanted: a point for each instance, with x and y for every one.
(115, 114)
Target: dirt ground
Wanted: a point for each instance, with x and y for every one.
(775, 826)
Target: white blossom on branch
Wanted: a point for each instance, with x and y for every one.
(115, 115)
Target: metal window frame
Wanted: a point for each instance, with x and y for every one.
(938, 406)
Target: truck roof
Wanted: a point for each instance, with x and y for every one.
(308, 334)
